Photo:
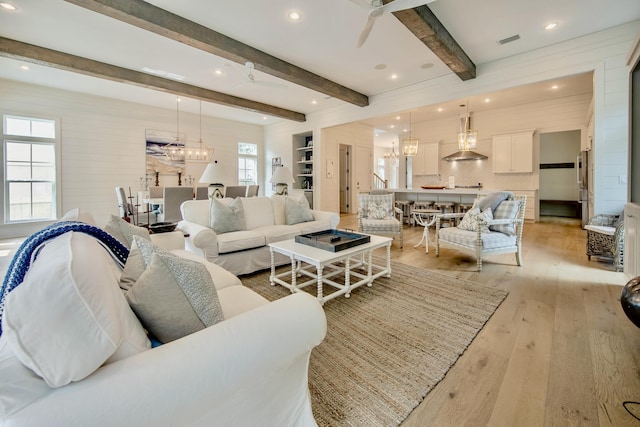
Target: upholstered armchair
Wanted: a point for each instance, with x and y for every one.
(493, 226)
(605, 238)
(378, 215)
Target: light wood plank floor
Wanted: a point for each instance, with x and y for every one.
(559, 351)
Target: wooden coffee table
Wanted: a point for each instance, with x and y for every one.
(319, 266)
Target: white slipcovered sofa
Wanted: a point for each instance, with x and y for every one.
(237, 372)
(246, 251)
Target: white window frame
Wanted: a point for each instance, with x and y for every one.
(26, 227)
(247, 156)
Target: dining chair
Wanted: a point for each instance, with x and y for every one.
(202, 193)
(173, 198)
(125, 208)
(252, 190)
(234, 191)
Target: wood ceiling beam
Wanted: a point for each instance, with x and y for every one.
(425, 26)
(152, 18)
(52, 58)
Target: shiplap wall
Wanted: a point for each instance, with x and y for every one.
(103, 144)
(603, 53)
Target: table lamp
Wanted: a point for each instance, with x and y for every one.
(211, 176)
(282, 178)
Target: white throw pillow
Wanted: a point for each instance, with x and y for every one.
(68, 316)
(507, 209)
(225, 219)
(79, 215)
(474, 219)
(124, 231)
(297, 211)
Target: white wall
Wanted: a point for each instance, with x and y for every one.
(103, 144)
(559, 183)
(603, 53)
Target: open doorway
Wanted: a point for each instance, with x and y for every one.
(561, 165)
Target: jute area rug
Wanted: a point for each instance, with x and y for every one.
(388, 345)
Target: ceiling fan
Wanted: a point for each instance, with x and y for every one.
(250, 79)
(376, 9)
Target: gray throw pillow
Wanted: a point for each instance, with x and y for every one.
(224, 219)
(175, 297)
(139, 257)
(297, 211)
(124, 231)
(492, 200)
(508, 209)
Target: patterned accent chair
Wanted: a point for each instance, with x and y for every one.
(378, 215)
(499, 232)
(605, 238)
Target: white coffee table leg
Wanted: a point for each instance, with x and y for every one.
(369, 272)
(388, 260)
(294, 274)
(273, 267)
(347, 277)
(319, 274)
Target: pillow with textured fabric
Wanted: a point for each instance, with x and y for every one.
(139, 257)
(225, 219)
(175, 297)
(492, 200)
(474, 219)
(378, 210)
(124, 231)
(297, 211)
(71, 293)
(508, 209)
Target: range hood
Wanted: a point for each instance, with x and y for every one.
(465, 155)
(466, 142)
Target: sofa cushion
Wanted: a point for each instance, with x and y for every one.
(124, 231)
(239, 299)
(297, 211)
(277, 204)
(507, 209)
(72, 292)
(258, 212)
(490, 240)
(221, 278)
(227, 218)
(475, 219)
(278, 233)
(240, 241)
(79, 215)
(311, 227)
(175, 297)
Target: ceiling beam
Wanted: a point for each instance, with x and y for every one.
(52, 58)
(424, 25)
(152, 18)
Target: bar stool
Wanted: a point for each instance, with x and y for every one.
(406, 206)
(464, 207)
(446, 207)
(423, 204)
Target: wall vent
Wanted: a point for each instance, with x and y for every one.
(509, 39)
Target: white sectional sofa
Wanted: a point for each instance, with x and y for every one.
(236, 372)
(246, 251)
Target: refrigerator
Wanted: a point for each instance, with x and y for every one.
(582, 175)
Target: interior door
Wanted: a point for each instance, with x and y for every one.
(363, 170)
(345, 177)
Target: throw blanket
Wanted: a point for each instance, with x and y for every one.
(30, 248)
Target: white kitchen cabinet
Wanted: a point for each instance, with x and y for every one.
(631, 240)
(531, 210)
(513, 153)
(427, 160)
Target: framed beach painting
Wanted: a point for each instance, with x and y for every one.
(157, 143)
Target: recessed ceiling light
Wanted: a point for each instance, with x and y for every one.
(294, 15)
(426, 66)
(550, 26)
(440, 110)
(264, 117)
(7, 6)
(392, 126)
(393, 76)
(24, 67)
(314, 102)
(217, 72)
(555, 87)
(487, 100)
(397, 117)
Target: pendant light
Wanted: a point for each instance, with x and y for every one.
(467, 140)
(410, 144)
(200, 152)
(174, 151)
(392, 156)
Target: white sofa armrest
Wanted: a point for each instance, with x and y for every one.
(168, 241)
(331, 217)
(201, 240)
(219, 376)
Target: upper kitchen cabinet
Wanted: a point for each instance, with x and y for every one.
(513, 152)
(427, 160)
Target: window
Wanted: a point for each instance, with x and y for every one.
(29, 149)
(247, 163)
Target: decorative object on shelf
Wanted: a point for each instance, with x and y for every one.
(211, 176)
(392, 156)
(179, 178)
(157, 178)
(282, 177)
(630, 300)
(145, 182)
(410, 144)
(190, 181)
(467, 140)
(199, 152)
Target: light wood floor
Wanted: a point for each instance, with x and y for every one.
(559, 351)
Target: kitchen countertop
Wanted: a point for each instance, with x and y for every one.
(452, 191)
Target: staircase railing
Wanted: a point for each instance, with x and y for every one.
(378, 182)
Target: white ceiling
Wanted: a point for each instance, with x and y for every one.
(323, 42)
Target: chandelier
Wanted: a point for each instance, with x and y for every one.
(410, 144)
(174, 151)
(467, 138)
(199, 152)
(392, 156)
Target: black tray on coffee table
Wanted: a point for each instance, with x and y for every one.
(333, 240)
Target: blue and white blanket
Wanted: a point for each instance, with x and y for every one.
(30, 248)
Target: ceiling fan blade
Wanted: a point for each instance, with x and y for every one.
(274, 85)
(362, 3)
(397, 5)
(364, 34)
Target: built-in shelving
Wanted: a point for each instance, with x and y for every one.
(303, 160)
